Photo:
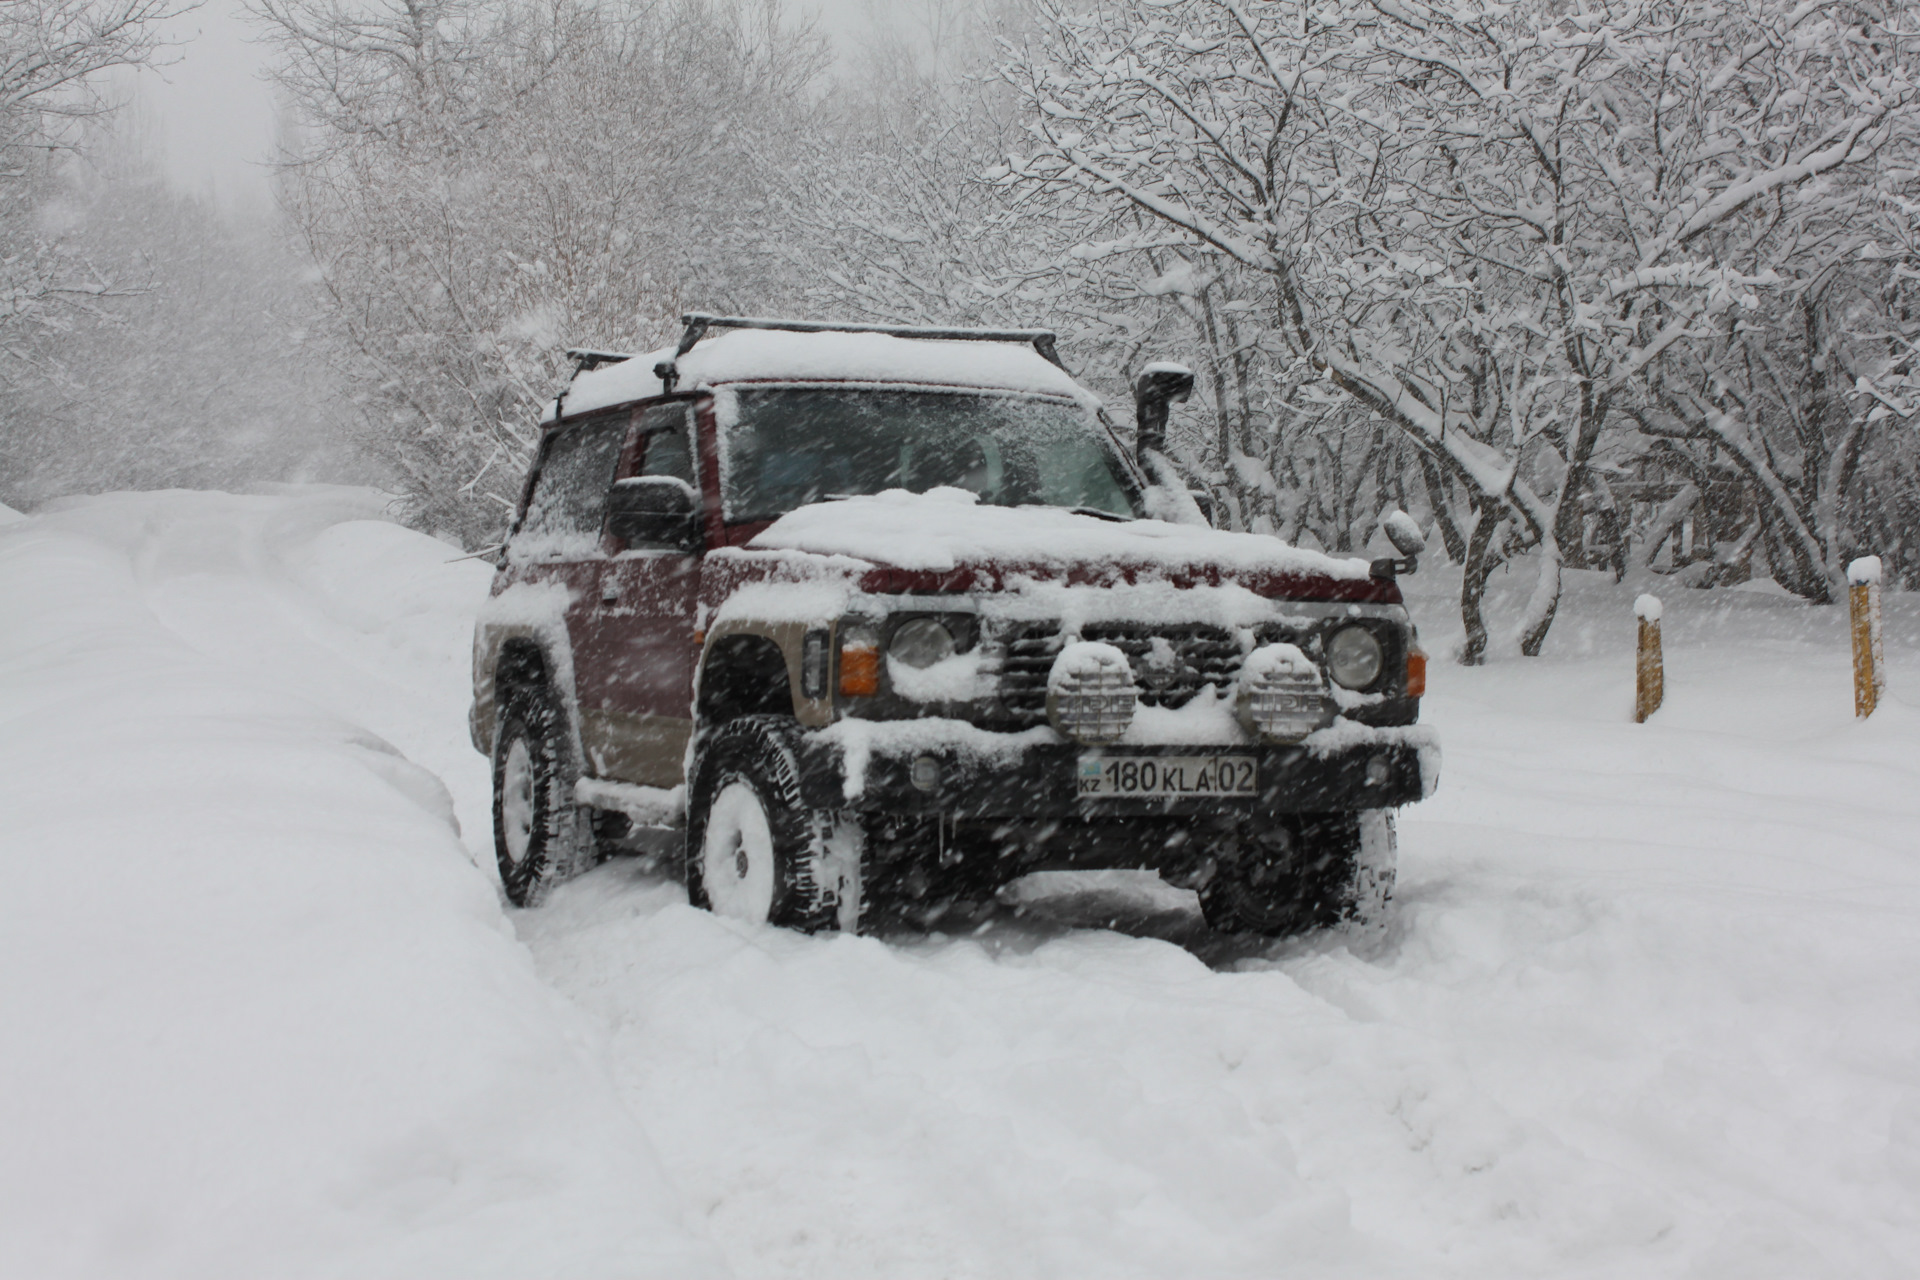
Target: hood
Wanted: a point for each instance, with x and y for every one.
(945, 540)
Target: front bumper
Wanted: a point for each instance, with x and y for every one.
(1344, 769)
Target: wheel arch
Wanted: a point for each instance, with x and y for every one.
(750, 666)
(507, 658)
(744, 672)
(522, 663)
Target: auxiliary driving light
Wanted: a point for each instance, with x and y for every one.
(1282, 695)
(1090, 693)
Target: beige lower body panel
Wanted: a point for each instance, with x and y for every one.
(648, 751)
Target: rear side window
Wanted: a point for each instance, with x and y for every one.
(666, 449)
(569, 500)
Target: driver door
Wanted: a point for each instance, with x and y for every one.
(636, 690)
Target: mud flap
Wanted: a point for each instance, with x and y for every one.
(837, 867)
(1375, 868)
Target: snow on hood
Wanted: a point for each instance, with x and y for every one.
(771, 354)
(942, 529)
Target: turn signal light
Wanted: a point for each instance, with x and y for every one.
(1416, 673)
(859, 665)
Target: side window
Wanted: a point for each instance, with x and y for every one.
(569, 499)
(666, 447)
(657, 508)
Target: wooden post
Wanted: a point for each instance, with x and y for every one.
(1869, 654)
(1650, 677)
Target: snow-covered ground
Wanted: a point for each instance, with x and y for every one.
(261, 1015)
(1649, 1004)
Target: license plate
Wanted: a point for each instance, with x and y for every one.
(1164, 776)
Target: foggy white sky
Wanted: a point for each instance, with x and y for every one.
(210, 111)
(213, 114)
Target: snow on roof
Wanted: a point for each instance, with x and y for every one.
(773, 355)
(944, 528)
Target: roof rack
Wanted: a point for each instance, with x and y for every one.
(585, 360)
(698, 323)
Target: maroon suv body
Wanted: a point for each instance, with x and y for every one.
(861, 623)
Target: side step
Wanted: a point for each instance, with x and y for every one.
(641, 806)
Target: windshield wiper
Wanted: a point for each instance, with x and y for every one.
(1100, 514)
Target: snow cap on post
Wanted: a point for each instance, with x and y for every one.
(1647, 608)
(1863, 571)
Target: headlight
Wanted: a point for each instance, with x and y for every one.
(920, 643)
(1354, 657)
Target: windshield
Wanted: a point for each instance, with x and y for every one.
(788, 446)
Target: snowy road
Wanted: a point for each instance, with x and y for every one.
(1649, 1004)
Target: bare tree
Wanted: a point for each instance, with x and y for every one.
(1492, 225)
(483, 184)
(52, 55)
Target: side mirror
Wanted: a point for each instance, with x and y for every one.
(654, 511)
(1405, 535)
(1160, 385)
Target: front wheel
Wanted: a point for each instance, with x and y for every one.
(1301, 872)
(755, 850)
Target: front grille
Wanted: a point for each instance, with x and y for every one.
(1171, 664)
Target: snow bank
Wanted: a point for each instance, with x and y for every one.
(771, 355)
(946, 528)
(263, 1015)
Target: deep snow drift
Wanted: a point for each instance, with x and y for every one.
(1647, 1005)
(261, 1014)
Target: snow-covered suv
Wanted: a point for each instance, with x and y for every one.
(867, 621)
